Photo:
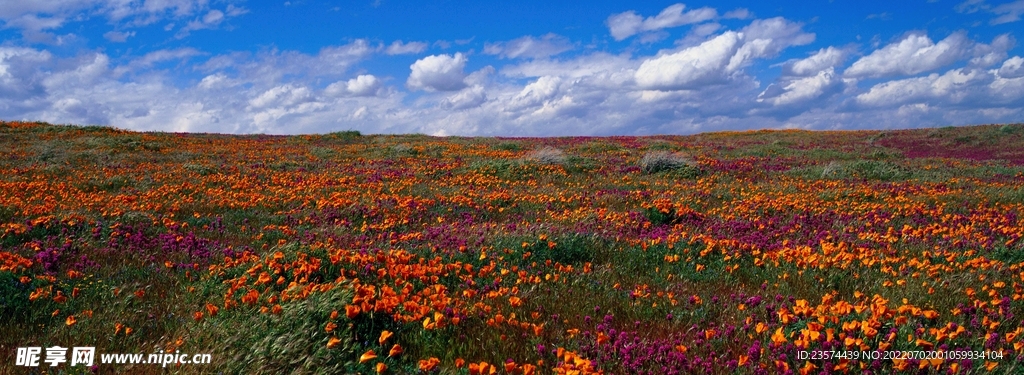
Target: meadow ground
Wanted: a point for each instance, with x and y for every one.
(755, 252)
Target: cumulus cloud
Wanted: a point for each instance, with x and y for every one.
(534, 94)
(692, 67)
(529, 47)
(438, 73)
(1012, 68)
(284, 95)
(824, 59)
(20, 83)
(915, 53)
(469, 97)
(986, 55)
(214, 81)
(363, 85)
(703, 83)
(770, 36)
(957, 88)
(718, 59)
(399, 48)
(626, 24)
(797, 94)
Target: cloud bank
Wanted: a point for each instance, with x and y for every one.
(723, 72)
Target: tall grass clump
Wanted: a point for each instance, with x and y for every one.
(293, 341)
(664, 161)
(547, 155)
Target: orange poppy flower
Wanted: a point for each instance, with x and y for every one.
(395, 350)
(384, 336)
(368, 356)
(428, 365)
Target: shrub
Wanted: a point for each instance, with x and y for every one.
(661, 161)
(344, 136)
(547, 155)
(199, 169)
(1011, 128)
(509, 146)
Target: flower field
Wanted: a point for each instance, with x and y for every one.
(720, 253)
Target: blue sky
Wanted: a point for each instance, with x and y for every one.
(525, 68)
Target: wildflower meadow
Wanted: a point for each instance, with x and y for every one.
(756, 252)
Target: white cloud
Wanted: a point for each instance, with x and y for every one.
(530, 47)
(594, 64)
(469, 97)
(1009, 12)
(363, 85)
(986, 55)
(1012, 68)
(118, 36)
(438, 73)
(914, 54)
(39, 15)
(21, 88)
(955, 87)
(824, 59)
(692, 67)
(399, 48)
(703, 83)
(971, 6)
(214, 81)
(165, 55)
(284, 95)
(718, 59)
(626, 24)
(740, 14)
(802, 90)
(772, 35)
(211, 20)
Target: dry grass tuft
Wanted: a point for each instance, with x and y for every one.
(547, 155)
(659, 161)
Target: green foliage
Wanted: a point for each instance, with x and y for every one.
(109, 184)
(878, 170)
(575, 248)
(576, 164)
(677, 163)
(857, 169)
(502, 168)
(14, 303)
(7, 213)
(509, 146)
(323, 152)
(347, 136)
(292, 342)
(658, 218)
(200, 169)
(1012, 129)
(661, 145)
(1008, 254)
